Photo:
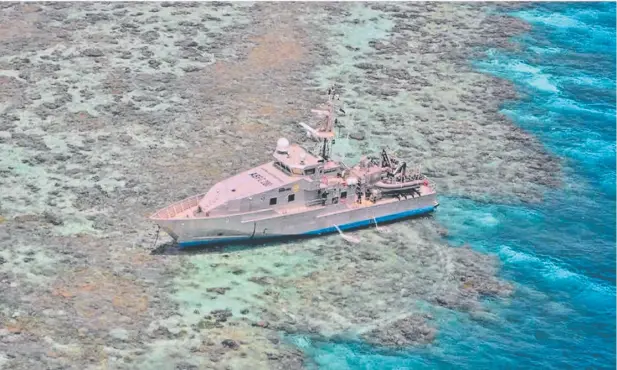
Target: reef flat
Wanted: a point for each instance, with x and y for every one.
(109, 111)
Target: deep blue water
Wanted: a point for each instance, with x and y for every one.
(560, 254)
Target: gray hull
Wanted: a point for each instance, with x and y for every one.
(270, 224)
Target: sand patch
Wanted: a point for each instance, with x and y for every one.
(21, 27)
(275, 50)
(101, 296)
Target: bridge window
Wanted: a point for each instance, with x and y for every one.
(343, 195)
(272, 201)
(291, 197)
(310, 171)
(282, 167)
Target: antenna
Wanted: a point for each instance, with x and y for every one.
(351, 115)
(324, 134)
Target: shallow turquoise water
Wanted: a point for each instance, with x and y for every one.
(560, 254)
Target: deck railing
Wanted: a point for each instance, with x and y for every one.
(176, 208)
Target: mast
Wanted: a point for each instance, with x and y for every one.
(330, 118)
(325, 133)
(329, 125)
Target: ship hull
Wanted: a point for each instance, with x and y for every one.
(318, 221)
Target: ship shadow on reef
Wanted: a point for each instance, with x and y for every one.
(172, 247)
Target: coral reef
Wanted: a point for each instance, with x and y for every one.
(111, 110)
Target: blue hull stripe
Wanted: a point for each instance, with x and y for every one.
(213, 241)
(327, 230)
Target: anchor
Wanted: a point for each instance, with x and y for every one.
(347, 238)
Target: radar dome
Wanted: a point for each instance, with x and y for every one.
(282, 145)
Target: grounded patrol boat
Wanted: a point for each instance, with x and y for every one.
(300, 193)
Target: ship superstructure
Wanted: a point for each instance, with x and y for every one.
(301, 192)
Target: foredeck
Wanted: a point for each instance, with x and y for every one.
(178, 209)
(255, 181)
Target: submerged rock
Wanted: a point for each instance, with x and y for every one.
(93, 52)
(52, 218)
(357, 135)
(229, 343)
(221, 315)
(120, 334)
(411, 330)
(5, 136)
(217, 290)
(191, 68)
